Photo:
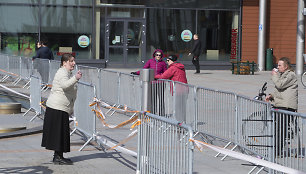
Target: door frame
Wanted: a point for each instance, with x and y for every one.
(125, 47)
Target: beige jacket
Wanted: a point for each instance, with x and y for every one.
(63, 92)
(286, 93)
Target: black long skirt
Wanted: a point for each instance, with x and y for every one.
(56, 131)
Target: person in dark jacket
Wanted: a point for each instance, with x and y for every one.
(196, 51)
(176, 72)
(43, 51)
(155, 63)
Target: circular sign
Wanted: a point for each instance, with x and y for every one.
(186, 35)
(83, 41)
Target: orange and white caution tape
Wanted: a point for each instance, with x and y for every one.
(102, 117)
(105, 105)
(200, 145)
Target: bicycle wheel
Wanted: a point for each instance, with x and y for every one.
(303, 79)
(255, 133)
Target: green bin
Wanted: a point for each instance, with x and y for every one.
(269, 59)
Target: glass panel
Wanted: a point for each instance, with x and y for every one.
(18, 44)
(164, 29)
(67, 2)
(116, 54)
(18, 1)
(134, 55)
(125, 12)
(60, 43)
(133, 2)
(134, 33)
(205, 4)
(116, 33)
(23, 19)
(102, 33)
(66, 20)
(214, 29)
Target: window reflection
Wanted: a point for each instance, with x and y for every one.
(164, 28)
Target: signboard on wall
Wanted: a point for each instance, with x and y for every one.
(186, 35)
(234, 49)
(83, 41)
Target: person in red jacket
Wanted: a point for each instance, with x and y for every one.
(176, 72)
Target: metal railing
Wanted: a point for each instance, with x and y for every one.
(289, 139)
(238, 120)
(164, 146)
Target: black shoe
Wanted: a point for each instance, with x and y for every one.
(57, 160)
(197, 72)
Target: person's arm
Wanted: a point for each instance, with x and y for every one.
(51, 55)
(147, 64)
(164, 67)
(37, 54)
(65, 81)
(168, 74)
(284, 82)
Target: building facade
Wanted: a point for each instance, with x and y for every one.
(124, 32)
(281, 29)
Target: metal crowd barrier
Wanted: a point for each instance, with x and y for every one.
(90, 75)
(289, 139)
(35, 97)
(41, 68)
(239, 120)
(164, 146)
(85, 120)
(108, 87)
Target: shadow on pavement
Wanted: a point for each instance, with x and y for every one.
(30, 169)
(113, 155)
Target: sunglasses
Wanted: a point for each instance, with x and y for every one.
(157, 54)
(168, 60)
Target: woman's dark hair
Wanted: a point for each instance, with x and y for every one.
(287, 62)
(65, 57)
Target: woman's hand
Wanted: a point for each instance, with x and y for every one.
(78, 75)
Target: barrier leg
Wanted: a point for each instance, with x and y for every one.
(231, 150)
(72, 131)
(86, 143)
(26, 84)
(26, 112)
(34, 117)
(4, 78)
(16, 81)
(224, 148)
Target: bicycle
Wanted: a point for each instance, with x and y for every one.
(255, 126)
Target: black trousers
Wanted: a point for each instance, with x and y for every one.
(283, 130)
(196, 63)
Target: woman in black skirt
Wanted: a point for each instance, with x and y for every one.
(56, 131)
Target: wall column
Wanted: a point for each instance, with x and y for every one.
(300, 41)
(262, 34)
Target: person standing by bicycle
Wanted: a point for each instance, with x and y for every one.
(285, 97)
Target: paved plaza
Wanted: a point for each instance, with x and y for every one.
(23, 154)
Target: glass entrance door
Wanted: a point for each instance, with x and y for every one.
(125, 41)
